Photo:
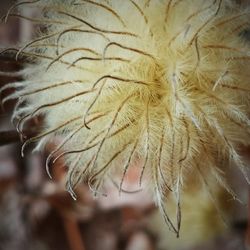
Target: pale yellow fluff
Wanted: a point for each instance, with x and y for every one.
(163, 81)
(205, 218)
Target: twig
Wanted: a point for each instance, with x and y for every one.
(73, 233)
(7, 137)
(70, 223)
(12, 136)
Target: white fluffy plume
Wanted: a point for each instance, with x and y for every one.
(162, 81)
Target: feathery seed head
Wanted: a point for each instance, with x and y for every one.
(164, 81)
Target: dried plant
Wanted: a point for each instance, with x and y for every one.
(166, 82)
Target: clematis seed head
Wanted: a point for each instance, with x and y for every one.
(165, 82)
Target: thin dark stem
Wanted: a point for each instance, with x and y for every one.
(12, 136)
(7, 137)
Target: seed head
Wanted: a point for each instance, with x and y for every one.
(165, 82)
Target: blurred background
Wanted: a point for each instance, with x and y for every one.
(36, 213)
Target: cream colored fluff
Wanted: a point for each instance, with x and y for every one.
(163, 81)
(201, 223)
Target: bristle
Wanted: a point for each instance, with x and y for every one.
(168, 81)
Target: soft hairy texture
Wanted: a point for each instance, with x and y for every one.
(162, 82)
(201, 222)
